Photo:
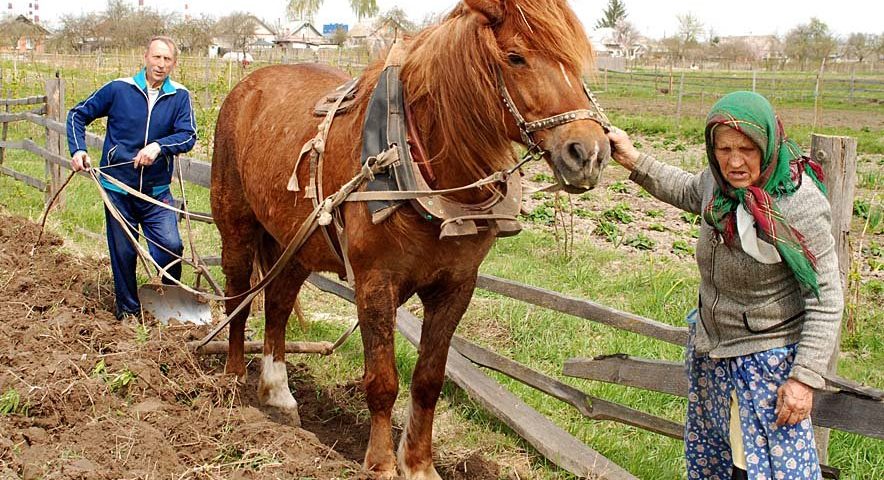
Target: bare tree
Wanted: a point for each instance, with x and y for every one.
(625, 35)
(195, 34)
(811, 42)
(689, 29)
(859, 46)
(395, 19)
(238, 28)
(76, 31)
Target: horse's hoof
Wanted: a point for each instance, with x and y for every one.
(386, 474)
(428, 473)
(273, 389)
(241, 375)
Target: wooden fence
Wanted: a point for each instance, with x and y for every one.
(847, 405)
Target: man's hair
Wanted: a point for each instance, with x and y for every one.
(167, 40)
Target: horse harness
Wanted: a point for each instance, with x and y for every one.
(389, 131)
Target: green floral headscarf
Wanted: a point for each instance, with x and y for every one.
(781, 166)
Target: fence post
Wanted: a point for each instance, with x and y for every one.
(3, 135)
(54, 111)
(678, 105)
(837, 155)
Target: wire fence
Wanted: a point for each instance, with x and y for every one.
(797, 87)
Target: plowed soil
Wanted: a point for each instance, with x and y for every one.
(97, 399)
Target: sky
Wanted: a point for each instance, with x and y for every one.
(652, 18)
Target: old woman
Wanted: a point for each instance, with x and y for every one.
(770, 302)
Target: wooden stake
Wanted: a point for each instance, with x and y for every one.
(220, 347)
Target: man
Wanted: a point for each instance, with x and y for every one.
(150, 121)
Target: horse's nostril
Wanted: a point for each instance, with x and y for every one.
(577, 152)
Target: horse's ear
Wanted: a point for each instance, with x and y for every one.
(491, 11)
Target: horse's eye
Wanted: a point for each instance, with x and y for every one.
(516, 60)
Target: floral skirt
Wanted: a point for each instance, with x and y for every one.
(772, 452)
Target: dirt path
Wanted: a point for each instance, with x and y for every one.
(101, 400)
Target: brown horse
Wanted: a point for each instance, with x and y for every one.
(538, 49)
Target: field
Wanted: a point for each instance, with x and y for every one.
(617, 246)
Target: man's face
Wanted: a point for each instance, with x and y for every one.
(159, 60)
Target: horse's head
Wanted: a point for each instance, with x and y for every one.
(542, 52)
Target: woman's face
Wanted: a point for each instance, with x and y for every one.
(738, 157)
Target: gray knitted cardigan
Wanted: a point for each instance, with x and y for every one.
(746, 306)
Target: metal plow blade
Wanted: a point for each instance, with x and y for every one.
(171, 302)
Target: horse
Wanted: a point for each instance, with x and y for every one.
(452, 75)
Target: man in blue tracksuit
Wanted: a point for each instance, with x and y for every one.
(149, 121)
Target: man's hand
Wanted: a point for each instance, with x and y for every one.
(622, 149)
(80, 161)
(147, 155)
(794, 402)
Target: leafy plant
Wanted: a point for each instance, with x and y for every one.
(583, 213)
(657, 227)
(543, 177)
(689, 217)
(543, 214)
(619, 187)
(142, 334)
(608, 230)
(121, 380)
(618, 213)
(11, 404)
(641, 242)
(682, 247)
(99, 370)
(655, 213)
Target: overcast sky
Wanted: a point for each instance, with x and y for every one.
(653, 18)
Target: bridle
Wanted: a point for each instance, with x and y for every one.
(526, 128)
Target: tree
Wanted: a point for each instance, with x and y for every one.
(613, 14)
(689, 29)
(811, 42)
(625, 36)
(306, 9)
(395, 19)
(194, 35)
(859, 46)
(238, 28)
(76, 32)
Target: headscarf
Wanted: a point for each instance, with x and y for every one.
(782, 164)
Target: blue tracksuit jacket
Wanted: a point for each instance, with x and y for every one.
(131, 126)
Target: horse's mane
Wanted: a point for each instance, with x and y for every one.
(450, 73)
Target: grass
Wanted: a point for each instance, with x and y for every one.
(645, 284)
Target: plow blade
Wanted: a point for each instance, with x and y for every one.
(171, 302)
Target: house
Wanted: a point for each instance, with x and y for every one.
(376, 36)
(260, 37)
(22, 35)
(299, 34)
(605, 43)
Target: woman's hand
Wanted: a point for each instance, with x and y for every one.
(622, 149)
(794, 402)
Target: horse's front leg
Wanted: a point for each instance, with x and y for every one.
(444, 305)
(376, 302)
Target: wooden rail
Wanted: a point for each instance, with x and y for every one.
(848, 411)
(549, 439)
(23, 101)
